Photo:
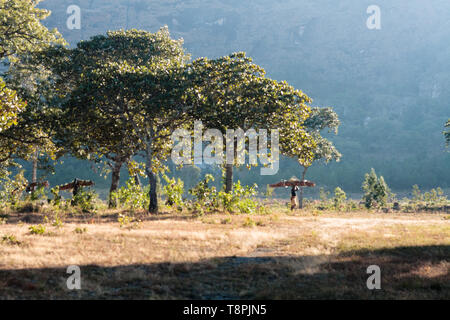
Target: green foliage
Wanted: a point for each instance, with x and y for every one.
(131, 195)
(205, 197)
(56, 201)
(10, 106)
(56, 222)
(11, 189)
(323, 149)
(85, 199)
(21, 30)
(37, 229)
(38, 194)
(79, 230)
(434, 196)
(242, 198)
(339, 198)
(173, 190)
(226, 221)
(10, 239)
(269, 192)
(249, 223)
(416, 195)
(323, 195)
(376, 191)
(107, 110)
(209, 199)
(21, 34)
(128, 222)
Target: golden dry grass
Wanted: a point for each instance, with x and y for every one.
(277, 256)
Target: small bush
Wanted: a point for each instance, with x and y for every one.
(80, 230)
(174, 191)
(38, 229)
(249, 222)
(128, 222)
(56, 201)
(376, 191)
(132, 195)
(226, 221)
(57, 222)
(11, 189)
(339, 198)
(38, 194)
(10, 239)
(85, 200)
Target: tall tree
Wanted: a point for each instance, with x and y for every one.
(21, 33)
(232, 92)
(95, 123)
(120, 89)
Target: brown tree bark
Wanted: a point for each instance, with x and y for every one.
(115, 180)
(153, 206)
(228, 178)
(35, 166)
(300, 194)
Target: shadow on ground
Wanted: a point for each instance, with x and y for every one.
(420, 272)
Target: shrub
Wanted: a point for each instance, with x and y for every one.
(249, 222)
(8, 185)
(339, 197)
(269, 192)
(85, 199)
(174, 191)
(56, 222)
(56, 196)
(131, 195)
(80, 230)
(10, 239)
(416, 195)
(207, 198)
(376, 191)
(38, 194)
(128, 222)
(38, 229)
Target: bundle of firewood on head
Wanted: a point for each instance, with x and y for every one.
(293, 183)
(75, 185)
(31, 187)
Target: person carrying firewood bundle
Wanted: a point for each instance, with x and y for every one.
(294, 197)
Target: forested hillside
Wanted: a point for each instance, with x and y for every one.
(389, 86)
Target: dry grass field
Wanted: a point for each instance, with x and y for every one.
(275, 256)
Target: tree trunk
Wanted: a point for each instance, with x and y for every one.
(229, 171)
(153, 206)
(228, 178)
(300, 194)
(137, 181)
(35, 166)
(114, 182)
